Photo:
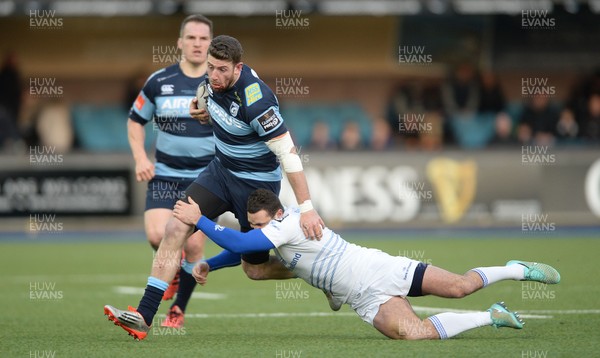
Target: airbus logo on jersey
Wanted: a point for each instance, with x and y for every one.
(233, 109)
(167, 89)
(176, 103)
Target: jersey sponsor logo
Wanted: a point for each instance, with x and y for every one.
(167, 89)
(175, 103)
(294, 261)
(233, 109)
(253, 93)
(139, 102)
(269, 120)
(220, 115)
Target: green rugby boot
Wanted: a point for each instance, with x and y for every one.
(502, 317)
(535, 271)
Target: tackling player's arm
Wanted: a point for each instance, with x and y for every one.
(144, 168)
(231, 240)
(283, 147)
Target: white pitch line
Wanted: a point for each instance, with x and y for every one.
(590, 311)
(326, 314)
(128, 290)
(268, 315)
(80, 278)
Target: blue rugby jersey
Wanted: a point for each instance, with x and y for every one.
(244, 118)
(183, 145)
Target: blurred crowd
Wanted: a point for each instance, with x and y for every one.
(47, 122)
(468, 109)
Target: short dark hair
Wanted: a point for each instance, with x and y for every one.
(196, 18)
(263, 199)
(226, 48)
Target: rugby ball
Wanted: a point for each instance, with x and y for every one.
(202, 95)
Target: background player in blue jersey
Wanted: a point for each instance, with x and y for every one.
(184, 147)
(251, 142)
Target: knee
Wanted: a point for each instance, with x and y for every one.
(461, 288)
(155, 234)
(254, 272)
(176, 229)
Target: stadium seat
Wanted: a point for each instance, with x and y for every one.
(104, 128)
(300, 119)
(473, 131)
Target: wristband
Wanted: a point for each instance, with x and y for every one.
(306, 206)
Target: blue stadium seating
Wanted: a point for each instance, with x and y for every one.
(300, 119)
(104, 128)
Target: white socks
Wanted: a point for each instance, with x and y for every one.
(493, 274)
(450, 324)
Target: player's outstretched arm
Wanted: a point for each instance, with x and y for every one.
(310, 221)
(231, 240)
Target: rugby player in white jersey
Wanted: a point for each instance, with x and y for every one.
(375, 284)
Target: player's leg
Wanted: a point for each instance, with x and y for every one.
(439, 282)
(166, 262)
(442, 283)
(194, 252)
(155, 221)
(397, 320)
(212, 206)
(161, 196)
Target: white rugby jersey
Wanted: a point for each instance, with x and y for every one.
(331, 264)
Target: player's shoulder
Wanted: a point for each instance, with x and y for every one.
(164, 73)
(290, 219)
(257, 95)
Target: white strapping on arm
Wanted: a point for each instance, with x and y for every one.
(282, 148)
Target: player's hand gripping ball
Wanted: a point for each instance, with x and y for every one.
(202, 95)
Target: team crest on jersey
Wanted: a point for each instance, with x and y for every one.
(166, 89)
(253, 94)
(233, 109)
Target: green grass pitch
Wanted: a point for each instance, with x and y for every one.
(53, 293)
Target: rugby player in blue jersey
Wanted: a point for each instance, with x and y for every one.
(251, 142)
(184, 146)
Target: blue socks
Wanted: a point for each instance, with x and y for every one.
(187, 283)
(151, 300)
